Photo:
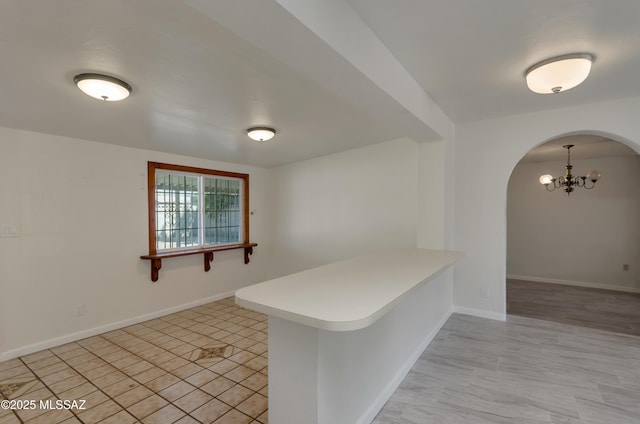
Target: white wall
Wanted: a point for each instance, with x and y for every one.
(81, 209)
(485, 154)
(344, 205)
(435, 198)
(582, 238)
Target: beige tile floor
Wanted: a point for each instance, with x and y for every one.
(207, 364)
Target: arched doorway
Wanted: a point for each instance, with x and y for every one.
(574, 258)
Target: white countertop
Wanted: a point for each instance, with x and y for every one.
(346, 295)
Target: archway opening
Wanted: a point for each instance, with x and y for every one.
(573, 257)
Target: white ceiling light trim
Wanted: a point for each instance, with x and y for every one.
(103, 87)
(261, 133)
(559, 74)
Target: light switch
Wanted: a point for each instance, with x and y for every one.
(9, 230)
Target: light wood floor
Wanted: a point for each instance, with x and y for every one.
(594, 308)
(522, 371)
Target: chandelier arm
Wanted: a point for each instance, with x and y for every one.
(569, 182)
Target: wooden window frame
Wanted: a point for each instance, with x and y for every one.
(208, 251)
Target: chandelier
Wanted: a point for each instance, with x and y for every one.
(568, 183)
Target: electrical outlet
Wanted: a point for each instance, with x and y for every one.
(625, 267)
(484, 292)
(79, 310)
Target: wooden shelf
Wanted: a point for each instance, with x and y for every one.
(156, 259)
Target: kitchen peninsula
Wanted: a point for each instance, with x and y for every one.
(342, 336)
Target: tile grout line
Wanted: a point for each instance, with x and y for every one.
(184, 379)
(181, 322)
(47, 386)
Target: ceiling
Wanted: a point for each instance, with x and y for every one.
(585, 147)
(329, 75)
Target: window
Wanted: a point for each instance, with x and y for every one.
(194, 208)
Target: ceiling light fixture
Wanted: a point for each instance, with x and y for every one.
(559, 73)
(569, 182)
(261, 133)
(103, 87)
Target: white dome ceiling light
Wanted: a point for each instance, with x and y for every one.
(261, 133)
(559, 74)
(103, 87)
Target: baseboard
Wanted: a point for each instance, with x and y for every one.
(388, 391)
(57, 341)
(481, 313)
(575, 283)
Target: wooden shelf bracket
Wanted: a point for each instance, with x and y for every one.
(208, 258)
(156, 258)
(156, 264)
(247, 251)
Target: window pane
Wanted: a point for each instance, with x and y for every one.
(221, 210)
(176, 210)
